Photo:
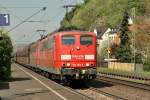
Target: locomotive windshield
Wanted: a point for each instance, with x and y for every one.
(86, 40)
(68, 40)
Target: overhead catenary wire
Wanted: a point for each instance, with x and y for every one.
(43, 9)
(45, 22)
(52, 18)
(22, 7)
(8, 10)
(48, 21)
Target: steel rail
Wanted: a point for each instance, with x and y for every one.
(83, 95)
(107, 94)
(123, 82)
(133, 76)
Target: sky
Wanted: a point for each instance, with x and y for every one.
(20, 10)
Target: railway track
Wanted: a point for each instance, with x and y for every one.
(85, 88)
(114, 92)
(97, 94)
(123, 82)
(129, 76)
(86, 97)
(117, 89)
(107, 94)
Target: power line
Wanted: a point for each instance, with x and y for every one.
(22, 41)
(43, 9)
(21, 7)
(37, 21)
(46, 21)
(10, 12)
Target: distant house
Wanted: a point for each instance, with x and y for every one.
(114, 37)
(106, 37)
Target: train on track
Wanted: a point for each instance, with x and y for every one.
(65, 55)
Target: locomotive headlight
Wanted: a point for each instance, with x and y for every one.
(83, 71)
(89, 57)
(65, 57)
(87, 64)
(68, 64)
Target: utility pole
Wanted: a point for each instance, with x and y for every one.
(1, 38)
(1, 33)
(68, 6)
(67, 9)
(133, 38)
(108, 48)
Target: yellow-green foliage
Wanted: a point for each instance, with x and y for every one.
(98, 12)
(108, 13)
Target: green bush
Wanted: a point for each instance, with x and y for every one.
(5, 55)
(147, 65)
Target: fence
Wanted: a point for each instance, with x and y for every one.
(125, 66)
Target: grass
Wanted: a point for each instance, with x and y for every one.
(126, 73)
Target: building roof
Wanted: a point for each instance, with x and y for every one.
(100, 31)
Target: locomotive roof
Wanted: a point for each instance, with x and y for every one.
(55, 33)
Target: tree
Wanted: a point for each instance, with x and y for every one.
(5, 55)
(123, 53)
(86, 1)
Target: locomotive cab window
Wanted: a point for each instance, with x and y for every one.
(68, 40)
(86, 40)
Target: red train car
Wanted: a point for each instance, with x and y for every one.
(67, 54)
(22, 56)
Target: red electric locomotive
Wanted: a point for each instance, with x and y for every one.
(67, 54)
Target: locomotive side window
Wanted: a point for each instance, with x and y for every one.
(86, 40)
(43, 46)
(68, 40)
(33, 49)
(49, 44)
